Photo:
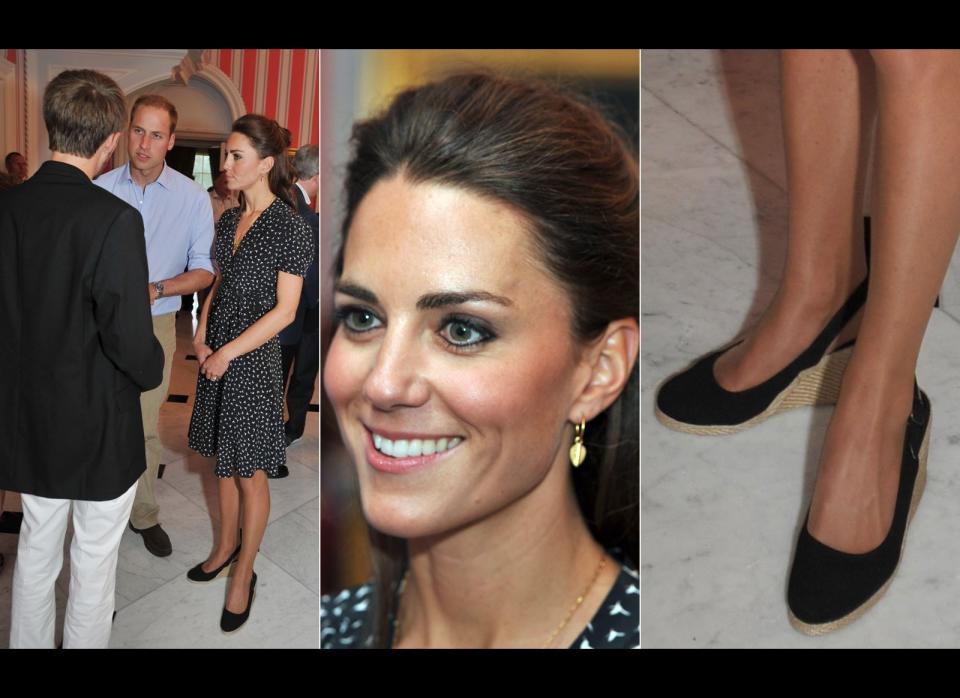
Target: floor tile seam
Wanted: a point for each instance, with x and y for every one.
(721, 144)
(707, 238)
(182, 574)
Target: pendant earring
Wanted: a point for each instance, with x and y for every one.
(578, 451)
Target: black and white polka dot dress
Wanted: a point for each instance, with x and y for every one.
(239, 418)
(346, 620)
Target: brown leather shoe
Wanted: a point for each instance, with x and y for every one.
(155, 539)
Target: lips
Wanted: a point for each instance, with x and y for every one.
(397, 453)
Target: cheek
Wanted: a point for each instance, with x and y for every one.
(523, 398)
(343, 373)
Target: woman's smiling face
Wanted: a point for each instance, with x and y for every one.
(454, 368)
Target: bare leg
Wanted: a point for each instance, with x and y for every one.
(916, 225)
(256, 510)
(229, 500)
(824, 123)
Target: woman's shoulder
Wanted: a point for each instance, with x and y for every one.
(616, 624)
(345, 618)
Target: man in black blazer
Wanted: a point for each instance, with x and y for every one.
(300, 341)
(77, 350)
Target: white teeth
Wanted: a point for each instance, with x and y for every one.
(403, 448)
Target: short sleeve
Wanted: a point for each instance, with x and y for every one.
(294, 246)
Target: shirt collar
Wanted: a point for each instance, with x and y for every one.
(305, 195)
(164, 180)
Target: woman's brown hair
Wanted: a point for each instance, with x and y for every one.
(270, 139)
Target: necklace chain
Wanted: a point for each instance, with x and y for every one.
(553, 635)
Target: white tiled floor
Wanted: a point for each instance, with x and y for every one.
(156, 605)
(720, 514)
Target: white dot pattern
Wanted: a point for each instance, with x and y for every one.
(239, 418)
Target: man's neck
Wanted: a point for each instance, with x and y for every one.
(144, 177)
(89, 166)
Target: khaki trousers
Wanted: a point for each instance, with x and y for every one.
(146, 511)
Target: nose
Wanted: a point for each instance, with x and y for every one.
(397, 378)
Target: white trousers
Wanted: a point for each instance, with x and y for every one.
(97, 529)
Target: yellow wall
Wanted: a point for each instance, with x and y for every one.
(386, 72)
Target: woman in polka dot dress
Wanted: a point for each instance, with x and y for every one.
(262, 250)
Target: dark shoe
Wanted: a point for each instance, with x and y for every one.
(693, 401)
(829, 589)
(196, 574)
(155, 539)
(290, 439)
(10, 521)
(282, 471)
(231, 622)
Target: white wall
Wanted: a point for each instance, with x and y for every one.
(208, 105)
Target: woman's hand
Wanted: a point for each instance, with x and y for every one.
(214, 364)
(202, 351)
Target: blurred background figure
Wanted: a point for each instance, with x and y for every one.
(221, 198)
(16, 166)
(300, 342)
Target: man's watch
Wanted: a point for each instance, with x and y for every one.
(158, 287)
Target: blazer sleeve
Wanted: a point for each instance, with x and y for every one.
(121, 303)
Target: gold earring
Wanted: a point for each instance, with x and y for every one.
(578, 451)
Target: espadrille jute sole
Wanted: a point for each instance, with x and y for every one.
(817, 385)
(824, 628)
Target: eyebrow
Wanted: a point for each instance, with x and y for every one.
(162, 133)
(428, 301)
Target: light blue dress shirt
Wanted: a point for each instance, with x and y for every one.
(177, 222)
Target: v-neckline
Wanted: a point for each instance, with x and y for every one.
(235, 246)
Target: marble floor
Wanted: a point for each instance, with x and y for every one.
(156, 606)
(720, 514)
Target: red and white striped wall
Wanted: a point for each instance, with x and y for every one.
(280, 83)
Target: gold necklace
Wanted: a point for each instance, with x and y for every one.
(553, 635)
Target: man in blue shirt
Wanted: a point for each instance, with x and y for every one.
(178, 228)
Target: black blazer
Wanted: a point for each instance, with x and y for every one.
(76, 338)
(310, 293)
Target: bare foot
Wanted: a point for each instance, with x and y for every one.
(217, 558)
(784, 331)
(859, 477)
(238, 594)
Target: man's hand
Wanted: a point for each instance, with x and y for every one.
(153, 292)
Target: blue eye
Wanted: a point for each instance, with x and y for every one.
(462, 332)
(356, 319)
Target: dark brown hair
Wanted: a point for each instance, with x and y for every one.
(556, 159)
(269, 139)
(158, 102)
(81, 109)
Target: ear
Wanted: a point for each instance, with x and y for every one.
(610, 361)
(173, 139)
(108, 146)
(266, 164)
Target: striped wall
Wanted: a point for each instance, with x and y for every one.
(280, 83)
